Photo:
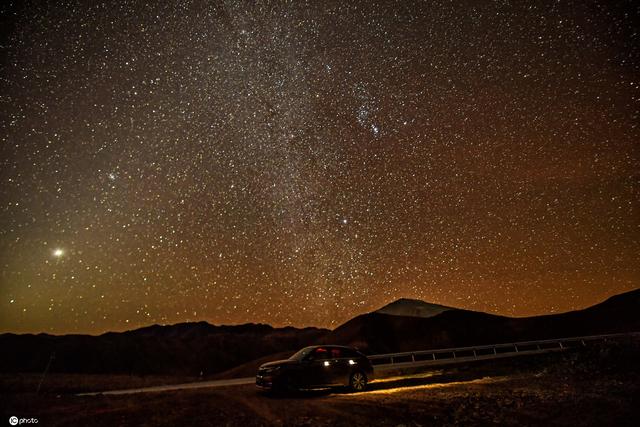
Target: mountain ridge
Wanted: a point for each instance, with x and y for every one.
(376, 332)
(413, 307)
(200, 348)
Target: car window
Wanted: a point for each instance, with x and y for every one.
(301, 354)
(350, 353)
(320, 353)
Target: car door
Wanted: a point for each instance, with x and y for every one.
(315, 367)
(339, 368)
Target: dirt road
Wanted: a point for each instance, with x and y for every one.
(173, 387)
(595, 387)
(474, 396)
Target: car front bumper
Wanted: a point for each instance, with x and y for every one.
(264, 382)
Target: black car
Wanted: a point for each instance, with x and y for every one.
(317, 367)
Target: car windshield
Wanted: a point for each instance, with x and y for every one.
(301, 354)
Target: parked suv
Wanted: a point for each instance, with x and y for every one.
(315, 367)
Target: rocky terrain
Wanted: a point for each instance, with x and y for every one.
(594, 387)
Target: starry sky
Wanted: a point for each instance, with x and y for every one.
(302, 162)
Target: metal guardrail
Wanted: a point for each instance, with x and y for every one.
(446, 356)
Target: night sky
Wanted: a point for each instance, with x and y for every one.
(299, 163)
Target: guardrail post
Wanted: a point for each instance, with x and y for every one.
(495, 351)
(475, 355)
(413, 358)
(433, 355)
(561, 346)
(516, 347)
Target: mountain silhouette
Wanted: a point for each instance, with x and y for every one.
(403, 325)
(380, 332)
(181, 349)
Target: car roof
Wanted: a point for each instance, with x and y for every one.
(332, 346)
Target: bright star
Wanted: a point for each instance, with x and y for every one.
(58, 252)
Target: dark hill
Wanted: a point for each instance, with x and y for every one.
(378, 332)
(191, 348)
(182, 349)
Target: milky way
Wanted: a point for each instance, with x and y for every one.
(304, 162)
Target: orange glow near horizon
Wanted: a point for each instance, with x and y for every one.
(300, 164)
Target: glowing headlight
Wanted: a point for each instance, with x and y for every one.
(326, 363)
(351, 362)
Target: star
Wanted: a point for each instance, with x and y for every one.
(235, 154)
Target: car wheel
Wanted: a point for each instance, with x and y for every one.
(358, 381)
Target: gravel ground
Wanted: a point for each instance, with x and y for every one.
(595, 388)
